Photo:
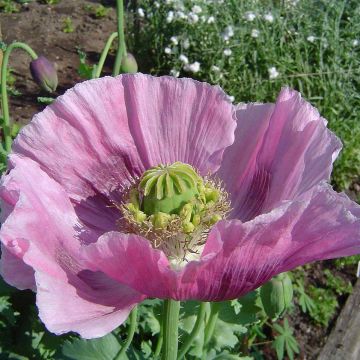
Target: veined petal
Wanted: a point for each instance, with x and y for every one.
(102, 133)
(238, 257)
(41, 235)
(282, 150)
(92, 308)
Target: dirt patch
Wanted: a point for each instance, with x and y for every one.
(42, 27)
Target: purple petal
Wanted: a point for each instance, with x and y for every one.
(15, 272)
(102, 133)
(238, 257)
(280, 152)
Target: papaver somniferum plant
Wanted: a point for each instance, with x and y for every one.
(140, 187)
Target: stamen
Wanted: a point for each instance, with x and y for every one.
(174, 208)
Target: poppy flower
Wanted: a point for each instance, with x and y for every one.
(137, 186)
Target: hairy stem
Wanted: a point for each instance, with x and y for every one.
(104, 54)
(170, 329)
(131, 332)
(4, 95)
(195, 331)
(121, 50)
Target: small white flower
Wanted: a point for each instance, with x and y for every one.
(269, 17)
(141, 12)
(210, 20)
(156, 4)
(184, 59)
(250, 16)
(273, 73)
(194, 67)
(180, 15)
(227, 52)
(193, 18)
(255, 33)
(311, 38)
(170, 17)
(174, 40)
(174, 72)
(167, 51)
(215, 68)
(227, 33)
(186, 44)
(231, 98)
(355, 43)
(196, 9)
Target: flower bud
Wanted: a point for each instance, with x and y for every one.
(129, 64)
(44, 73)
(276, 295)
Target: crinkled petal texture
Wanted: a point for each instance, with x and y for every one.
(102, 133)
(238, 257)
(71, 163)
(281, 150)
(40, 235)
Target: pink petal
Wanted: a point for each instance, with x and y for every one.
(99, 135)
(15, 272)
(43, 233)
(238, 257)
(42, 225)
(91, 309)
(131, 260)
(281, 152)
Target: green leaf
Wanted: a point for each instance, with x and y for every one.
(84, 70)
(285, 341)
(45, 100)
(304, 300)
(212, 355)
(243, 311)
(104, 348)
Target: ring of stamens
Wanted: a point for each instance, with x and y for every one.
(174, 208)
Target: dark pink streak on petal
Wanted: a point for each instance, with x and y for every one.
(100, 135)
(131, 260)
(238, 257)
(15, 272)
(90, 304)
(293, 148)
(41, 234)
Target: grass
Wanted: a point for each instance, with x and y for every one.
(325, 70)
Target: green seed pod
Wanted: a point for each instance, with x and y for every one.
(276, 295)
(167, 188)
(129, 64)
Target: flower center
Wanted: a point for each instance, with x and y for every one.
(174, 208)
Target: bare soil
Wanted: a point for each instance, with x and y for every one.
(41, 26)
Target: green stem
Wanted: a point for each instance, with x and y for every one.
(195, 331)
(158, 345)
(121, 50)
(104, 54)
(170, 329)
(210, 326)
(131, 332)
(4, 95)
